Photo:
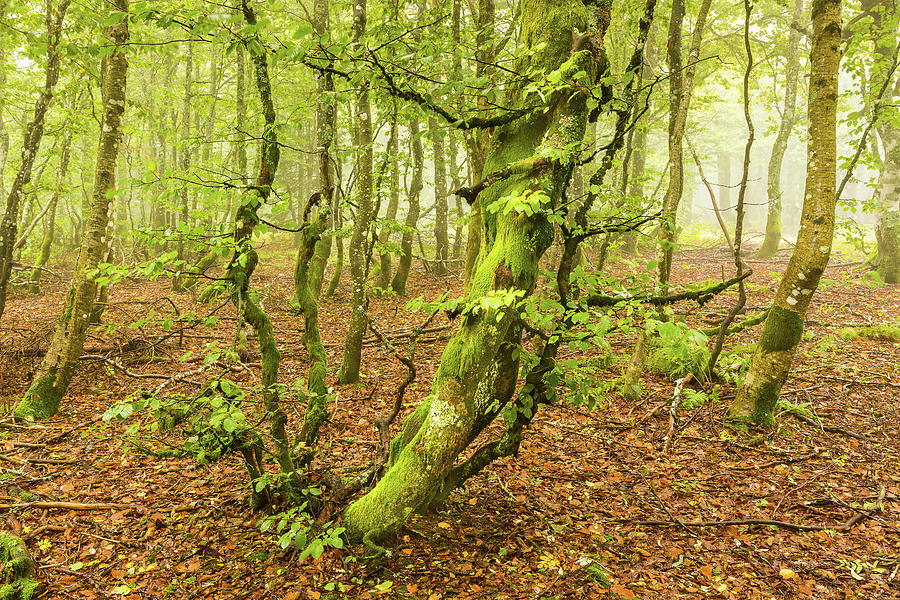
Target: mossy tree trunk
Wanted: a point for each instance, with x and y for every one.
(362, 223)
(398, 284)
(244, 260)
(887, 194)
(326, 116)
(477, 141)
(18, 579)
(783, 327)
(31, 143)
(4, 133)
(53, 376)
(479, 366)
(788, 121)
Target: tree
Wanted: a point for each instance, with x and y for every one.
(42, 399)
(887, 194)
(359, 242)
(783, 327)
(30, 145)
(478, 370)
(785, 127)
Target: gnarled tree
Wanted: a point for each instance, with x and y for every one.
(479, 367)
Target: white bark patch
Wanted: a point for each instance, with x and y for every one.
(800, 275)
(791, 300)
(823, 248)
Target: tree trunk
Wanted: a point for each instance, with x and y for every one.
(398, 284)
(4, 134)
(42, 399)
(788, 120)
(478, 141)
(31, 143)
(887, 194)
(185, 167)
(783, 328)
(359, 241)
(680, 91)
(441, 237)
(326, 123)
(479, 368)
(384, 238)
(50, 217)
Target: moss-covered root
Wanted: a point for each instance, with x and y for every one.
(18, 579)
(42, 399)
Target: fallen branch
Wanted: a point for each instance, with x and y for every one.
(37, 461)
(68, 505)
(700, 296)
(673, 409)
(829, 429)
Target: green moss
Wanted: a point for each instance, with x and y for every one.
(18, 570)
(875, 332)
(782, 331)
(42, 399)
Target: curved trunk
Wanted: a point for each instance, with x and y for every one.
(42, 399)
(31, 143)
(783, 327)
(479, 366)
(788, 120)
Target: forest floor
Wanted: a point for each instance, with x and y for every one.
(565, 519)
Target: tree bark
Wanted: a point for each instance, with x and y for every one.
(441, 237)
(887, 195)
(31, 143)
(788, 121)
(53, 376)
(384, 238)
(50, 217)
(680, 91)
(359, 246)
(783, 328)
(479, 369)
(398, 284)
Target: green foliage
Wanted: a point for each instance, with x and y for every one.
(691, 399)
(678, 350)
(802, 409)
(296, 528)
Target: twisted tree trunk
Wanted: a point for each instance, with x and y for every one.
(479, 367)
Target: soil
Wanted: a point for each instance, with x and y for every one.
(566, 518)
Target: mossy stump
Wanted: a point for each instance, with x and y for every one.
(18, 580)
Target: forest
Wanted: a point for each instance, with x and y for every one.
(508, 299)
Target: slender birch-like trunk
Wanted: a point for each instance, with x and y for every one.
(359, 246)
(783, 327)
